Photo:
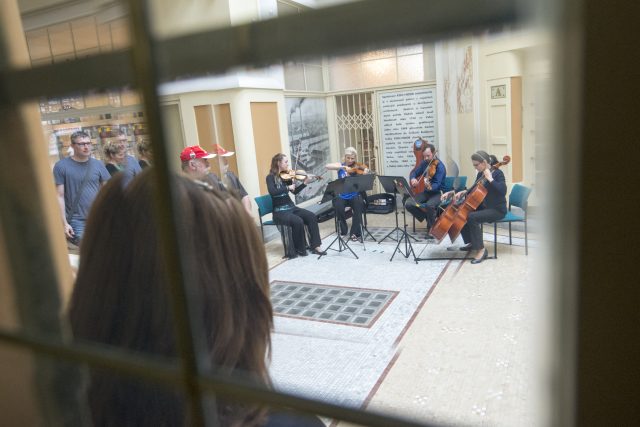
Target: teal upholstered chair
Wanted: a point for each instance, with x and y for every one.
(265, 207)
(518, 197)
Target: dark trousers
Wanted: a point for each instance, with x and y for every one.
(356, 207)
(297, 218)
(472, 233)
(428, 212)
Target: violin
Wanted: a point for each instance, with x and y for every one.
(298, 175)
(428, 173)
(357, 169)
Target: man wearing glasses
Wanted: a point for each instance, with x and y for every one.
(78, 179)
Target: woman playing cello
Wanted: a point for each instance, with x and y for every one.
(285, 212)
(349, 167)
(493, 207)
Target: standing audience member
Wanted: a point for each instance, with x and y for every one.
(285, 212)
(131, 165)
(114, 156)
(145, 154)
(195, 162)
(121, 298)
(78, 179)
(229, 179)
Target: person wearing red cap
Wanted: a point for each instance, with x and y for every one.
(195, 162)
(229, 179)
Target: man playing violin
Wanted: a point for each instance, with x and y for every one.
(429, 174)
(349, 167)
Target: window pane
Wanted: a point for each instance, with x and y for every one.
(294, 76)
(410, 68)
(314, 78)
(38, 42)
(345, 76)
(380, 72)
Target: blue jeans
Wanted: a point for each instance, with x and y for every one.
(78, 229)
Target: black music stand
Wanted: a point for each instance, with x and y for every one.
(358, 184)
(390, 187)
(402, 187)
(333, 190)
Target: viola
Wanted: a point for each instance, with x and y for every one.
(356, 169)
(454, 217)
(428, 173)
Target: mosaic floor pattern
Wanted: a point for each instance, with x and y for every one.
(351, 306)
(337, 360)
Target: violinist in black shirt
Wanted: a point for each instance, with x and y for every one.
(285, 212)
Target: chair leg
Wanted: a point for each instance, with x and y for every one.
(510, 234)
(526, 239)
(495, 240)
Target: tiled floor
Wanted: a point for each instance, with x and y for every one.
(463, 352)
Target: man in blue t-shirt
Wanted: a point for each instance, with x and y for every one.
(78, 179)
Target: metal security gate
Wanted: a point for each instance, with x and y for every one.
(354, 118)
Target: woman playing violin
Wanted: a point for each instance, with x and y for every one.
(349, 167)
(430, 173)
(493, 207)
(285, 212)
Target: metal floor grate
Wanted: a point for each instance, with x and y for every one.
(335, 304)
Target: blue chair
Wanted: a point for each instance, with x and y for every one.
(265, 207)
(518, 197)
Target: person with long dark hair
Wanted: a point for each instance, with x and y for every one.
(121, 298)
(285, 212)
(493, 207)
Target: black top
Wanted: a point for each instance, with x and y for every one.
(497, 191)
(113, 169)
(280, 194)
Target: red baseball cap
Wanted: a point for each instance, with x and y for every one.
(222, 152)
(195, 152)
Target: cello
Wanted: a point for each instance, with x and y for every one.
(454, 217)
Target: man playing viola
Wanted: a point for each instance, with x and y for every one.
(349, 167)
(429, 175)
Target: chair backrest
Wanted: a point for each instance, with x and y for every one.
(519, 196)
(265, 204)
(460, 183)
(447, 184)
(450, 181)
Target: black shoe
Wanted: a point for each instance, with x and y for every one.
(465, 248)
(429, 237)
(302, 253)
(318, 252)
(478, 261)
